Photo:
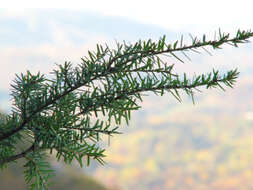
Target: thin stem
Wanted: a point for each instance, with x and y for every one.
(125, 93)
(17, 156)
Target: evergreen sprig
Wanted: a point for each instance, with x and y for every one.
(63, 113)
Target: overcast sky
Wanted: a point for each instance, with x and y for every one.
(37, 37)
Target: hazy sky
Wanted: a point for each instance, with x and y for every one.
(180, 13)
(35, 39)
(165, 13)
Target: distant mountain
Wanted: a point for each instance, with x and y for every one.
(65, 179)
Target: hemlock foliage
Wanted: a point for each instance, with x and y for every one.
(66, 112)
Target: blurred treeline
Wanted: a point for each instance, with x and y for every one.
(66, 178)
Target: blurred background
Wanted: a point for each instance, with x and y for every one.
(168, 145)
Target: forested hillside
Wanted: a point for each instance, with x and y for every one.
(177, 146)
(65, 179)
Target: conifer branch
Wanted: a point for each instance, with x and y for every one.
(56, 112)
